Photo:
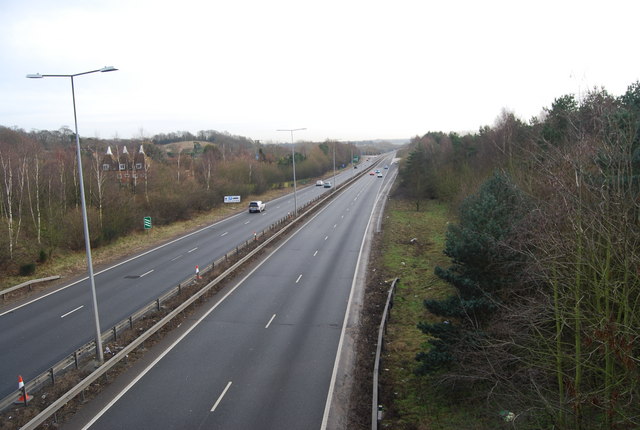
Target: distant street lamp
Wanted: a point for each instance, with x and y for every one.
(293, 158)
(85, 223)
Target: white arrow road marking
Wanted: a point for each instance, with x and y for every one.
(221, 396)
(270, 321)
(70, 312)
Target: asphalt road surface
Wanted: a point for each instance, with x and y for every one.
(36, 334)
(263, 355)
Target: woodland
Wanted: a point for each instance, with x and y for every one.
(180, 175)
(544, 324)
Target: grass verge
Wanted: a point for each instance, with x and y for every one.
(68, 264)
(412, 246)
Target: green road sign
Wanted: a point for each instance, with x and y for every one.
(147, 222)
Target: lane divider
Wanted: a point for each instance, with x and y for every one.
(70, 312)
(270, 321)
(221, 396)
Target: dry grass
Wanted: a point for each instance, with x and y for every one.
(70, 264)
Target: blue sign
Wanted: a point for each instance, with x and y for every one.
(232, 199)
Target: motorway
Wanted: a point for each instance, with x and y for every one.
(263, 355)
(38, 333)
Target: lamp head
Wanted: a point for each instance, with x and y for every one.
(34, 76)
(108, 69)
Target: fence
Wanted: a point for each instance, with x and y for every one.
(376, 408)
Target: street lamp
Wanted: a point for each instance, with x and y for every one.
(293, 158)
(85, 223)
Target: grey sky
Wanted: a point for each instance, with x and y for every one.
(344, 69)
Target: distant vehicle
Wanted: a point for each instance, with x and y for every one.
(355, 166)
(256, 206)
(379, 175)
(377, 170)
(371, 173)
(327, 184)
(386, 166)
(319, 183)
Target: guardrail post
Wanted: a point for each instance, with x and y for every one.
(131, 322)
(52, 375)
(75, 359)
(158, 303)
(115, 334)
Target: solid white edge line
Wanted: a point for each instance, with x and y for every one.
(190, 329)
(64, 287)
(221, 396)
(120, 264)
(70, 312)
(327, 406)
(270, 321)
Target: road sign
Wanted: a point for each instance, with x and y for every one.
(232, 199)
(147, 222)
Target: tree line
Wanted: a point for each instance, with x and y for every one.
(545, 262)
(39, 187)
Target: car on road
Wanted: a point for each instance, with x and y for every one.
(379, 175)
(256, 206)
(371, 173)
(327, 184)
(319, 183)
(386, 166)
(377, 170)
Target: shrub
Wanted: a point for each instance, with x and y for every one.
(27, 269)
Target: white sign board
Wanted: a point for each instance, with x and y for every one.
(232, 199)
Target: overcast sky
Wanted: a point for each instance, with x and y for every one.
(344, 69)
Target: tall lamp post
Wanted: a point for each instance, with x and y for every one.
(293, 158)
(85, 223)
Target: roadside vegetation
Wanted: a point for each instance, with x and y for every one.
(172, 178)
(538, 326)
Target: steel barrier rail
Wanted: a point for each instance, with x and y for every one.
(376, 409)
(27, 284)
(55, 406)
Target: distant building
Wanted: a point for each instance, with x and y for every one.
(126, 168)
